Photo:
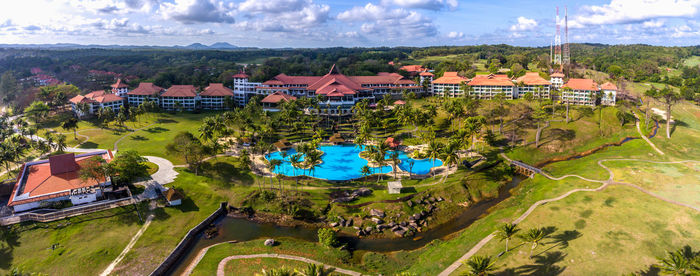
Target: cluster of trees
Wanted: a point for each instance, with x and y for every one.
(17, 141)
(126, 167)
(310, 270)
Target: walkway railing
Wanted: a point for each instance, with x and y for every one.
(65, 213)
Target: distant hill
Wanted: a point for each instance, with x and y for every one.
(193, 46)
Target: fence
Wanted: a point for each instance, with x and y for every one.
(186, 242)
(65, 213)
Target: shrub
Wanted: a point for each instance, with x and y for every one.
(327, 237)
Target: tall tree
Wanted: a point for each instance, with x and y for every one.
(71, 124)
(669, 98)
(507, 232)
(535, 237)
(189, 148)
(480, 265)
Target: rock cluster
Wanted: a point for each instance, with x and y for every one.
(346, 196)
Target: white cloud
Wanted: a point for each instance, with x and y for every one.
(422, 4)
(305, 16)
(455, 35)
(199, 11)
(390, 23)
(635, 11)
(524, 24)
(273, 6)
(653, 23)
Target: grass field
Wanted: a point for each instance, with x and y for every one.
(253, 266)
(693, 61)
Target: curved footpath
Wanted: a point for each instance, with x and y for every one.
(222, 264)
(450, 269)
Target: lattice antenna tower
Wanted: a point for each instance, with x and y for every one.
(566, 59)
(557, 41)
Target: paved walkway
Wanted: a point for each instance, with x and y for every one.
(454, 266)
(222, 264)
(198, 258)
(639, 129)
(128, 247)
(165, 174)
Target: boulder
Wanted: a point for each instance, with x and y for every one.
(368, 229)
(423, 213)
(431, 199)
(343, 199)
(356, 227)
(403, 224)
(409, 203)
(399, 232)
(381, 227)
(377, 220)
(269, 242)
(334, 224)
(349, 223)
(362, 192)
(391, 224)
(439, 199)
(377, 213)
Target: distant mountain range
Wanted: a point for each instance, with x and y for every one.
(194, 46)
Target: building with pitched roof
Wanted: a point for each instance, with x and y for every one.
(179, 97)
(120, 88)
(533, 83)
(271, 102)
(557, 79)
(243, 89)
(608, 93)
(92, 102)
(146, 91)
(339, 92)
(580, 92)
(449, 85)
(488, 86)
(215, 96)
(42, 182)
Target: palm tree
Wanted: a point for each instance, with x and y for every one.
(433, 151)
(61, 143)
(394, 156)
(313, 160)
(315, 270)
(71, 124)
(680, 262)
(506, 232)
(365, 171)
(272, 165)
(450, 154)
(295, 159)
(534, 236)
(480, 265)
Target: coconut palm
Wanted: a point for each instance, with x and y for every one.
(365, 171)
(534, 236)
(506, 232)
(450, 154)
(272, 165)
(433, 151)
(282, 271)
(295, 159)
(313, 160)
(315, 270)
(680, 262)
(394, 156)
(480, 265)
(61, 143)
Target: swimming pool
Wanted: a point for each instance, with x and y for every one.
(343, 162)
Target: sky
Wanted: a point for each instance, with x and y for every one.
(362, 23)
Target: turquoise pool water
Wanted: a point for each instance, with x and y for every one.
(343, 162)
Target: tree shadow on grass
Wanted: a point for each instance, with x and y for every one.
(543, 265)
(226, 172)
(138, 138)
(88, 145)
(156, 129)
(187, 205)
(166, 121)
(652, 270)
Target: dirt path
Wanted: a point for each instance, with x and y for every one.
(639, 129)
(128, 247)
(222, 264)
(454, 266)
(198, 258)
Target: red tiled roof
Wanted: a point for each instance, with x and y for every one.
(119, 84)
(80, 99)
(426, 74)
(450, 78)
(108, 98)
(557, 75)
(146, 89)
(180, 91)
(608, 86)
(413, 68)
(533, 78)
(278, 97)
(241, 75)
(217, 89)
(96, 96)
(392, 142)
(52, 178)
(582, 84)
(491, 80)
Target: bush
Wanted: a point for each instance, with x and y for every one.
(327, 237)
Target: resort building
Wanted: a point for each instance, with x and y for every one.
(413, 70)
(557, 80)
(271, 102)
(449, 85)
(533, 83)
(145, 92)
(92, 102)
(580, 92)
(339, 92)
(120, 88)
(40, 183)
(608, 93)
(243, 89)
(426, 80)
(487, 86)
(215, 96)
(179, 97)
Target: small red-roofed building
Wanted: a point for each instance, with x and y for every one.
(120, 88)
(42, 182)
(580, 92)
(608, 93)
(146, 91)
(392, 142)
(533, 83)
(488, 86)
(272, 102)
(215, 97)
(179, 97)
(449, 85)
(413, 70)
(92, 102)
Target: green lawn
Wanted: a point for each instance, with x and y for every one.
(693, 61)
(253, 266)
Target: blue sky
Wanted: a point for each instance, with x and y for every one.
(325, 23)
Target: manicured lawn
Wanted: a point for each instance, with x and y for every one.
(314, 251)
(152, 167)
(253, 266)
(593, 232)
(680, 182)
(693, 61)
(64, 247)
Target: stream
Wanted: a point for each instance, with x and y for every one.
(244, 230)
